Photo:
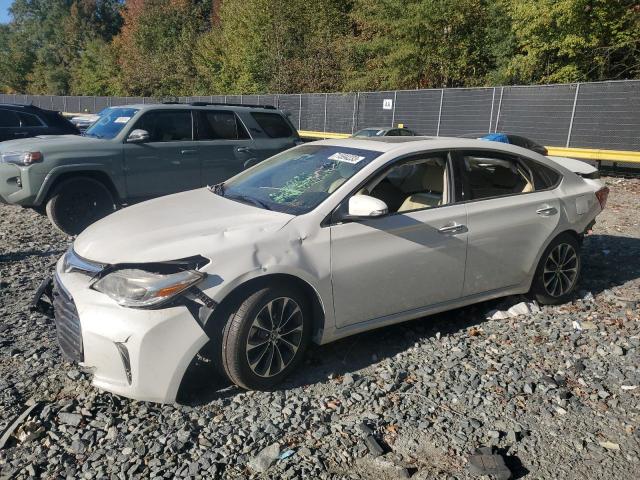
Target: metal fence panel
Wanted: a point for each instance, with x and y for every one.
(607, 116)
(371, 111)
(267, 100)
(312, 112)
(466, 111)
(234, 99)
(542, 113)
(418, 110)
(251, 99)
(291, 105)
(340, 109)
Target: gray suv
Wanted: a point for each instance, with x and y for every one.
(136, 152)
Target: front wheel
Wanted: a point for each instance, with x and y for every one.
(558, 271)
(266, 337)
(78, 202)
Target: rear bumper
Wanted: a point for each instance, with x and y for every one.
(140, 354)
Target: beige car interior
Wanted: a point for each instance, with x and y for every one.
(492, 177)
(411, 186)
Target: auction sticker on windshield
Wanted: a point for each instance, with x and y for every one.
(122, 120)
(346, 157)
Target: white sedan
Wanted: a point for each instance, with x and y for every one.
(322, 241)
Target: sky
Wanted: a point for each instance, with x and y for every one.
(4, 10)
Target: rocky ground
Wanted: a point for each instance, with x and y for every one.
(556, 393)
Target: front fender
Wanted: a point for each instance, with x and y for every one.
(117, 180)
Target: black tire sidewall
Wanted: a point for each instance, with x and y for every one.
(237, 329)
(538, 290)
(57, 204)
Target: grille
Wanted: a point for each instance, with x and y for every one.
(67, 323)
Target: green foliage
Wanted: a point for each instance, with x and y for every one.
(191, 47)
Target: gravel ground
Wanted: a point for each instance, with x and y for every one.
(556, 393)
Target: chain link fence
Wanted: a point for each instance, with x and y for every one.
(603, 115)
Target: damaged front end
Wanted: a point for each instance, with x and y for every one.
(135, 326)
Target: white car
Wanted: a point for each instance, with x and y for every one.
(322, 241)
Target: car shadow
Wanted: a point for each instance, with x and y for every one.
(608, 261)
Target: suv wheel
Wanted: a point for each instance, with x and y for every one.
(558, 271)
(78, 202)
(266, 337)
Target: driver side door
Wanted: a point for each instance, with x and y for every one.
(168, 162)
(411, 258)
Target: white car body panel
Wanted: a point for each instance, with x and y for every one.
(365, 274)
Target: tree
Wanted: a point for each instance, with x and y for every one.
(417, 44)
(573, 40)
(156, 44)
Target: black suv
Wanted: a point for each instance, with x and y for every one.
(24, 121)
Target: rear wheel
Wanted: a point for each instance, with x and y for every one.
(558, 271)
(78, 202)
(266, 337)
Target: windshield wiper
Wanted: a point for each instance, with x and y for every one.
(250, 200)
(218, 188)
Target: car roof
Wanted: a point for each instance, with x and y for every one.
(18, 106)
(209, 106)
(403, 145)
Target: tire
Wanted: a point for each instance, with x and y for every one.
(248, 365)
(558, 271)
(78, 202)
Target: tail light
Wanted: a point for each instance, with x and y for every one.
(602, 195)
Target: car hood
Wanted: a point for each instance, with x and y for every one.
(197, 222)
(44, 142)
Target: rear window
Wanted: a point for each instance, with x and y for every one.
(273, 124)
(219, 125)
(543, 176)
(29, 120)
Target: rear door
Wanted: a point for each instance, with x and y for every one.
(509, 218)
(272, 132)
(168, 162)
(224, 145)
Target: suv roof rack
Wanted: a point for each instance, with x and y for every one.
(204, 104)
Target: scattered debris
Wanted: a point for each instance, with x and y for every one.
(12, 426)
(485, 462)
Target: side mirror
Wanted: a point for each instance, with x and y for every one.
(364, 206)
(138, 136)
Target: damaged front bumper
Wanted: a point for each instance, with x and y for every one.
(140, 354)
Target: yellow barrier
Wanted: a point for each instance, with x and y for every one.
(584, 153)
(596, 154)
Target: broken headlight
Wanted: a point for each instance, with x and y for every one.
(140, 289)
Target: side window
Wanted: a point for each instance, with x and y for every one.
(167, 126)
(406, 133)
(9, 119)
(220, 125)
(273, 124)
(413, 185)
(28, 120)
(492, 174)
(393, 133)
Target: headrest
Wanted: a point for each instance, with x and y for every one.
(433, 178)
(504, 177)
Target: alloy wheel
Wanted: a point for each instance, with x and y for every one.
(560, 270)
(274, 337)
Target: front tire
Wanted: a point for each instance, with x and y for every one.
(558, 272)
(266, 337)
(78, 202)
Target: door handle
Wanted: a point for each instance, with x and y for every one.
(546, 211)
(452, 228)
(243, 150)
(187, 152)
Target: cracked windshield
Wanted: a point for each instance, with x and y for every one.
(298, 180)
